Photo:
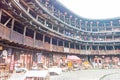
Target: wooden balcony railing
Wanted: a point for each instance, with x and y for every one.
(117, 51)
(77, 51)
(82, 51)
(88, 52)
(102, 52)
(39, 44)
(54, 48)
(29, 41)
(72, 50)
(94, 52)
(60, 49)
(66, 49)
(4, 32)
(47, 46)
(17, 37)
(110, 52)
(1, 31)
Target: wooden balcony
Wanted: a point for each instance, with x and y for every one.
(54, 48)
(72, 50)
(60, 49)
(1, 31)
(17, 37)
(117, 51)
(47, 46)
(77, 51)
(39, 44)
(102, 52)
(94, 52)
(67, 50)
(29, 41)
(82, 51)
(4, 32)
(88, 52)
(110, 52)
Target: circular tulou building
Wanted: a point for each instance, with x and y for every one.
(44, 31)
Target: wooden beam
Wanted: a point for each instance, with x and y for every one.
(7, 22)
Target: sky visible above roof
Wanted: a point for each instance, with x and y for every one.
(94, 9)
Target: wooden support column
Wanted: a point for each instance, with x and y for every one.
(45, 22)
(105, 27)
(58, 29)
(98, 26)
(91, 26)
(63, 46)
(12, 27)
(80, 48)
(105, 36)
(64, 18)
(80, 24)
(90, 49)
(69, 46)
(57, 42)
(51, 44)
(0, 15)
(52, 9)
(114, 49)
(76, 22)
(57, 46)
(58, 14)
(28, 9)
(86, 22)
(113, 36)
(75, 49)
(98, 47)
(24, 34)
(52, 26)
(105, 48)
(37, 17)
(63, 43)
(43, 38)
(34, 38)
(86, 49)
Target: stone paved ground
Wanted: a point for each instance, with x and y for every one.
(85, 74)
(17, 76)
(75, 75)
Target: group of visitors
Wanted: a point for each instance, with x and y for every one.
(101, 62)
(106, 62)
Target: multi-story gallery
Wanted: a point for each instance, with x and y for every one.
(44, 31)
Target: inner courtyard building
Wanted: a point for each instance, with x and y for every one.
(44, 31)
